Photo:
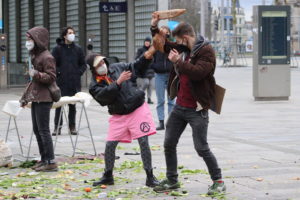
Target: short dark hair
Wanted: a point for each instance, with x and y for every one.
(64, 31)
(183, 29)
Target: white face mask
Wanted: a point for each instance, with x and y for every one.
(71, 37)
(29, 45)
(102, 70)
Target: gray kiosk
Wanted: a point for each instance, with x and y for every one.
(271, 55)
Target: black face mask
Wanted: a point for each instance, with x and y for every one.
(168, 36)
(182, 48)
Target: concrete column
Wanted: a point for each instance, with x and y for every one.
(18, 31)
(31, 13)
(104, 33)
(46, 14)
(130, 30)
(62, 14)
(82, 24)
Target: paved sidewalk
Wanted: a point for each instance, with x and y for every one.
(257, 145)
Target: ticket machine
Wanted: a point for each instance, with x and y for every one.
(271, 55)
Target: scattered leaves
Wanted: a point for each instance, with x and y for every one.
(28, 164)
(196, 171)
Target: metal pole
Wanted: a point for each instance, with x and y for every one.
(298, 19)
(222, 25)
(202, 14)
(234, 21)
(228, 24)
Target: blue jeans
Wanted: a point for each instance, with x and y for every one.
(161, 82)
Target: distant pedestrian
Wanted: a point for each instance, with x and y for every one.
(194, 68)
(114, 86)
(162, 66)
(42, 76)
(145, 79)
(70, 66)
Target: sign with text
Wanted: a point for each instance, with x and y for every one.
(113, 7)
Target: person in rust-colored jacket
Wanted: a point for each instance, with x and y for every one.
(42, 76)
(194, 66)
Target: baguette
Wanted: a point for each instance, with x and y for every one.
(167, 14)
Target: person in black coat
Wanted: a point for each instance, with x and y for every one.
(145, 78)
(113, 85)
(70, 66)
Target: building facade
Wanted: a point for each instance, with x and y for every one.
(111, 34)
(227, 35)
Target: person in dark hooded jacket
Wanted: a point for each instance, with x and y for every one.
(145, 79)
(194, 70)
(42, 76)
(70, 66)
(114, 86)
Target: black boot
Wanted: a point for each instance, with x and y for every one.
(73, 130)
(151, 180)
(55, 131)
(149, 101)
(161, 125)
(107, 179)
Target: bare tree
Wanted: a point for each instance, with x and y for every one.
(192, 15)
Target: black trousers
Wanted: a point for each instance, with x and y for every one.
(198, 120)
(71, 117)
(40, 113)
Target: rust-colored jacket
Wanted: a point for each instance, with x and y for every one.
(42, 60)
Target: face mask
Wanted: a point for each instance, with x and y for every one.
(182, 48)
(29, 45)
(71, 37)
(102, 70)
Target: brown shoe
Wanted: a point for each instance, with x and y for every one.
(37, 165)
(47, 168)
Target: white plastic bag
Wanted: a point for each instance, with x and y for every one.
(12, 108)
(5, 154)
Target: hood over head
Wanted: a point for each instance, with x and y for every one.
(40, 35)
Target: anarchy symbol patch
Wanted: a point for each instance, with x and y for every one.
(145, 127)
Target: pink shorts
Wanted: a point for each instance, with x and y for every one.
(125, 128)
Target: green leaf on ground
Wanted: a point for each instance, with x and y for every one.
(196, 171)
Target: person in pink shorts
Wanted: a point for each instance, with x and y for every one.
(115, 86)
